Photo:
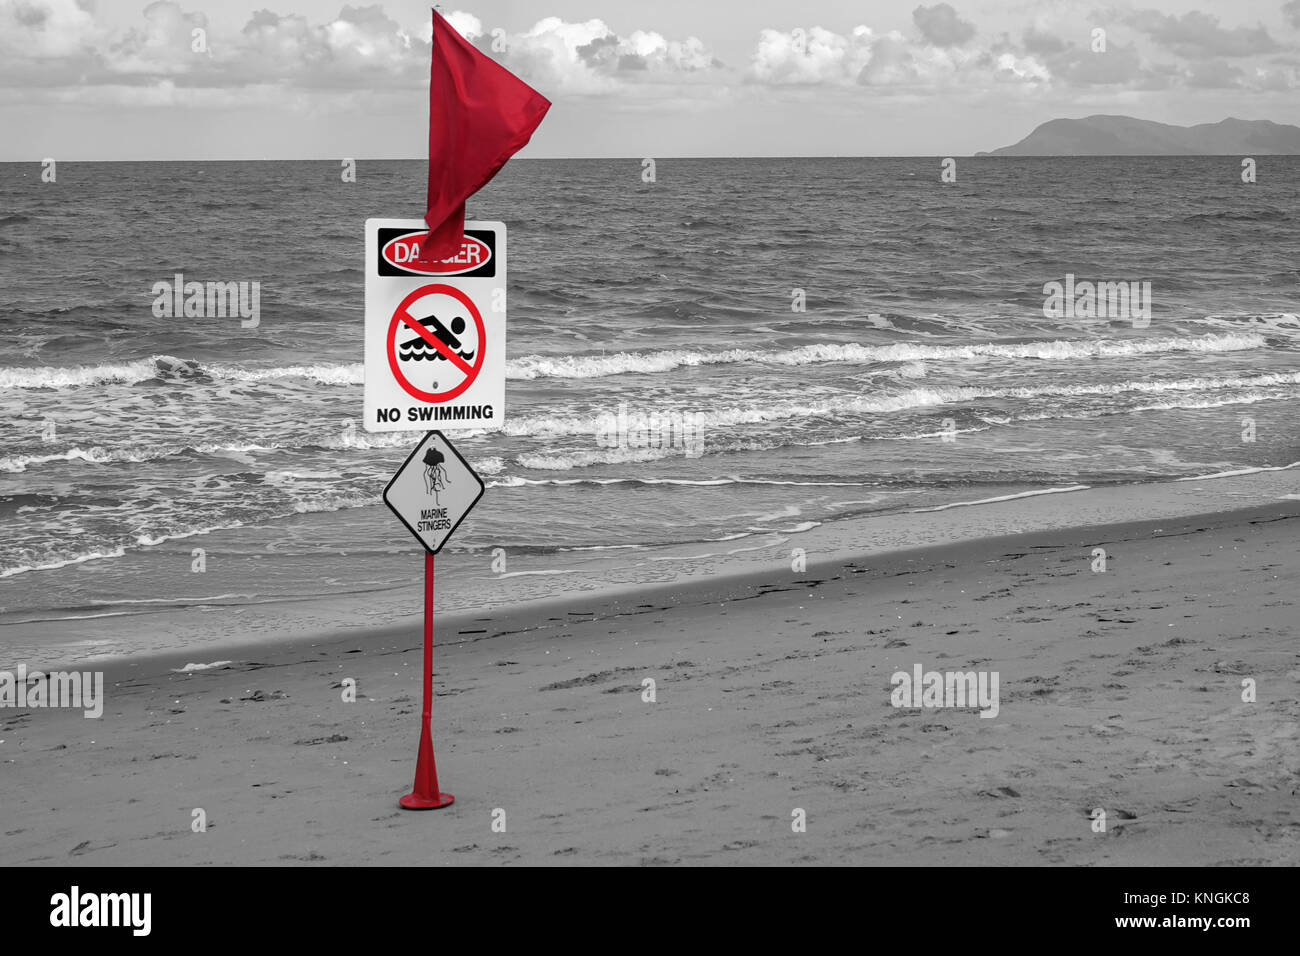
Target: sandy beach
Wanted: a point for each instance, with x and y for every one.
(1119, 689)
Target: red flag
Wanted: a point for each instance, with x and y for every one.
(480, 114)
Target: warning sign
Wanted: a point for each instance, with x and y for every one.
(433, 491)
(435, 338)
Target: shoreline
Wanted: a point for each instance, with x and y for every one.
(613, 575)
(741, 584)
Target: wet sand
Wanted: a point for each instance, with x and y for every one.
(1119, 690)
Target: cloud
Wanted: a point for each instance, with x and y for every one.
(944, 54)
(1193, 51)
(865, 57)
(164, 44)
(466, 24)
(1042, 43)
(1214, 75)
(811, 56)
(57, 43)
(941, 25)
(1076, 65)
(1197, 35)
(360, 48)
(38, 30)
(1277, 77)
(590, 57)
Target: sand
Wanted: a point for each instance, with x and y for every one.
(1119, 690)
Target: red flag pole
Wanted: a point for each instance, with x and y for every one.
(425, 794)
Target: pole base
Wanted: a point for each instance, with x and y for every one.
(416, 801)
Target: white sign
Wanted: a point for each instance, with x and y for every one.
(433, 491)
(435, 332)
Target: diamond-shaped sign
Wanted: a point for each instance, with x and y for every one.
(433, 491)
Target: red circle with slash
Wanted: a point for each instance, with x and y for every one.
(401, 316)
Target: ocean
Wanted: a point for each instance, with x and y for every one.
(851, 337)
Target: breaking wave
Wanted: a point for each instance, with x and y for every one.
(596, 366)
(168, 368)
(912, 398)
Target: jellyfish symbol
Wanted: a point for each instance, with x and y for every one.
(435, 474)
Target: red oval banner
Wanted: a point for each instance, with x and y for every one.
(404, 252)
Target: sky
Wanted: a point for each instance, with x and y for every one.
(316, 79)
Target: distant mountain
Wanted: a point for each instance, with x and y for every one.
(1126, 136)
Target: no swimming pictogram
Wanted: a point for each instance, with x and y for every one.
(437, 356)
